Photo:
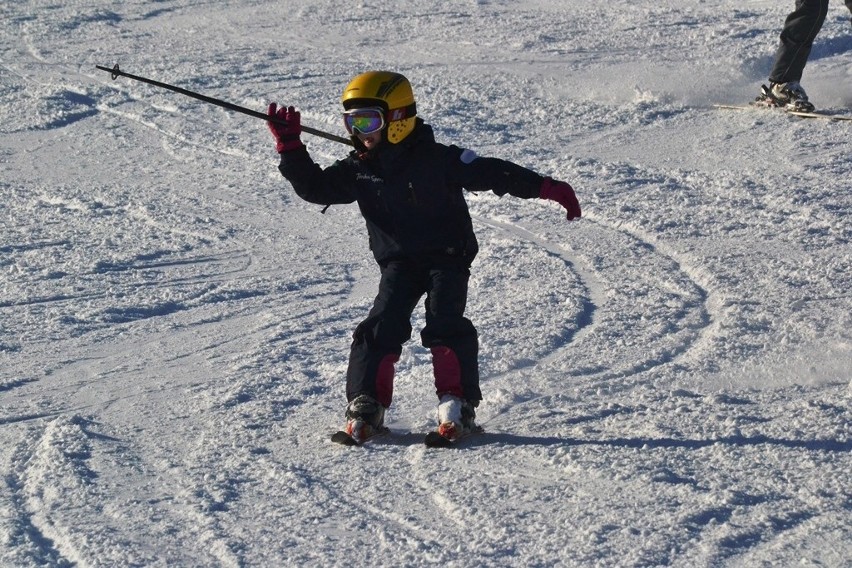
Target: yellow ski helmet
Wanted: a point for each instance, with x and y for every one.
(392, 92)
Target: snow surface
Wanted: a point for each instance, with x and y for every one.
(667, 381)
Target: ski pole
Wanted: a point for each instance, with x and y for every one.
(116, 72)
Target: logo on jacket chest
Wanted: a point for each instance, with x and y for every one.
(369, 177)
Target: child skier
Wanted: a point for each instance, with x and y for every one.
(409, 190)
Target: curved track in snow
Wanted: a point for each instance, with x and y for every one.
(666, 381)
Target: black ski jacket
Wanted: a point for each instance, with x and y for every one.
(410, 193)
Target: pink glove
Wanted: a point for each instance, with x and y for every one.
(563, 194)
(286, 135)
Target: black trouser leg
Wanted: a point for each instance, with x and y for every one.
(797, 38)
(451, 336)
(377, 341)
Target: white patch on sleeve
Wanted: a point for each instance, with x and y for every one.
(467, 156)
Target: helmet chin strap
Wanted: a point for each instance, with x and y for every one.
(361, 149)
(359, 146)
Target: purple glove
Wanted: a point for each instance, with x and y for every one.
(563, 194)
(286, 135)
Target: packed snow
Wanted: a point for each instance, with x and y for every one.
(666, 381)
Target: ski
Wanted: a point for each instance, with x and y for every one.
(799, 113)
(804, 114)
(431, 440)
(435, 440)
(344, 439)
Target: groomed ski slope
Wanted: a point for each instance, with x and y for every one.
(666, 381)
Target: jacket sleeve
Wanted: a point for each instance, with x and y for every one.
(314, 184)
(475, 173)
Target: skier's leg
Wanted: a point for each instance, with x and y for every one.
(377, 341)
(797, 38)
(450, 336)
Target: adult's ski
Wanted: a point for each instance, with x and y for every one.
(799, 113)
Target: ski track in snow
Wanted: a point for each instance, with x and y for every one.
(666, 381)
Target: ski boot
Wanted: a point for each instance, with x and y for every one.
(455, 418)
(365, 417)
(790, 96)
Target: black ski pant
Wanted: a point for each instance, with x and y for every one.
(797, 38)
(452, 338)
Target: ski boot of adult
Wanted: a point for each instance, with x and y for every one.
(789, 96)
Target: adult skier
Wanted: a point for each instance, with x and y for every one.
(409, 190)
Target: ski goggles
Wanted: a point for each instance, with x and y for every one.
(364, 120)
